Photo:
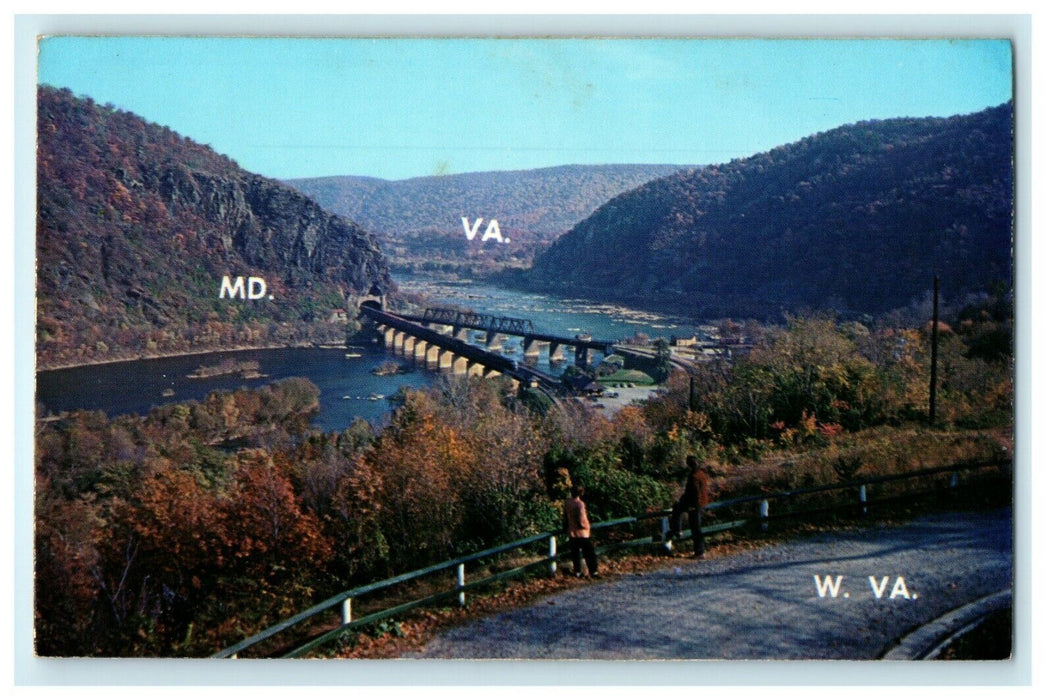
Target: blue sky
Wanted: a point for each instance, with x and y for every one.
(398, 108)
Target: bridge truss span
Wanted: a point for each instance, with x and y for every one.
(483, 322)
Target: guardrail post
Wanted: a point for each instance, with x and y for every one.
(667, 540)
(552, 555)
(764, 515)
(345, 611)
(862, 499)
(460, 585)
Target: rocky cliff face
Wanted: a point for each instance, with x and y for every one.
(272, 227)
(137, 226)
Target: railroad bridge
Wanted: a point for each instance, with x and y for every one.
(409, 336)
(457, 324)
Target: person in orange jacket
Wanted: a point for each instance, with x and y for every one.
(576, 522)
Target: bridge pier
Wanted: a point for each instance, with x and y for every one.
(446, 358)
(475, 369)
(495, 342)
(582, 356)
(408, 345)
(432, 356)
(555, 353)
(420, 352)
(397, 340)
(531, 347)
(460, 365)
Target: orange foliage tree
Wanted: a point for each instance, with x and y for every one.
(421, 462)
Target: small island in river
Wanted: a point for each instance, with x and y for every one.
(246, 369)
(389, 368)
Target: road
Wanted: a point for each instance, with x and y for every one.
(763, 603)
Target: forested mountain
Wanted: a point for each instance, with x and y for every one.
(137, 226)
(855, 219)
(419, 219)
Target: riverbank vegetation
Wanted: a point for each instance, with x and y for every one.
(190, 528)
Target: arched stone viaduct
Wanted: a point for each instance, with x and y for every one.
(447, 351)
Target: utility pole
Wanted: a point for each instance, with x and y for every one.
(935, 336)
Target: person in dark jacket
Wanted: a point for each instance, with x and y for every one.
(576, 521)
(694, 499)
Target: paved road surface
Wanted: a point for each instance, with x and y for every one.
(763, 603)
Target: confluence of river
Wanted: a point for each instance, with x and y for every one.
(348, 387)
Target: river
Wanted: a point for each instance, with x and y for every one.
(550, 314)
(344, 376)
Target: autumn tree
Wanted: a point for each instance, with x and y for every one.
(151, 540)
(278, 548)
(503, 491)
(422, 462)
(163, 558)
(66, 594)
(355, 522)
